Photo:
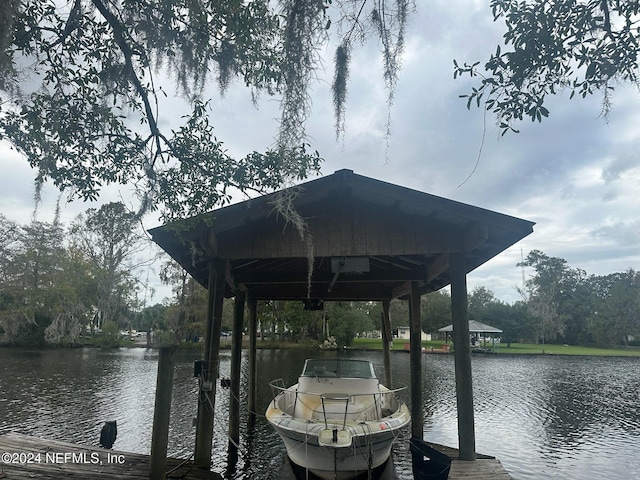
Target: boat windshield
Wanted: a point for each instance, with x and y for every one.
(337, 367)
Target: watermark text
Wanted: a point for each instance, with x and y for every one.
(61, 458)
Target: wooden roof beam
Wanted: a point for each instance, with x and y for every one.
(326, 277)
(340, 292)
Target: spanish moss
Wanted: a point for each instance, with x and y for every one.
(341, 75)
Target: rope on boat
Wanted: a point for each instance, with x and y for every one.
(306, 449)
(370, 448)
(354, 447)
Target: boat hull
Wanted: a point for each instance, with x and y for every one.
(364, 454)
(359, 446)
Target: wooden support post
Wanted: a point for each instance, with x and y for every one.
(252, 400)
(236, 361)
(462, 356)
(387, 342)
(161, 414)
(207, 390)
(415, 361)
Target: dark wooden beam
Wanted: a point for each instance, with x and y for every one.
(415, 361)
(438, 267)
(387, 342)
(340, 292)
(255, 275)
(404, 289)
(252, 400)
(236, 361)
(207, 383)
(462, 357)
(161, 414)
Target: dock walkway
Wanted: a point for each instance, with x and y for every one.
(25, 457)
(484, 467)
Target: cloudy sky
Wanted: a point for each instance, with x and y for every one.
(577, 175)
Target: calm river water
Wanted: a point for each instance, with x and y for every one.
(543, 417)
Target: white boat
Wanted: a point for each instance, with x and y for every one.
(338, 421)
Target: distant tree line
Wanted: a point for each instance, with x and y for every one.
(61, 284)
(57, 283)
(567, 305)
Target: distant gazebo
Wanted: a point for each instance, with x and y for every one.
(475, 328)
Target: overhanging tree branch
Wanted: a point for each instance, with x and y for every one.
(119, 34)
(88, 86)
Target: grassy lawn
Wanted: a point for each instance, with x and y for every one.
(523, 348)
(514, 348)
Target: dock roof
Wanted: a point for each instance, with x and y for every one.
(369, 240)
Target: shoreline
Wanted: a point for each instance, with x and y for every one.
(515, 349)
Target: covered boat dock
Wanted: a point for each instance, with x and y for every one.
(349, 238)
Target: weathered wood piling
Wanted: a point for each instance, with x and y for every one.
(161, 414)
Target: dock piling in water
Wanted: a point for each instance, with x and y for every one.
(162, 413)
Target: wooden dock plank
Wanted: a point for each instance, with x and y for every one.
(30, 457)
(454, 452)
(480, 469)
(92, 462)
(484, 467)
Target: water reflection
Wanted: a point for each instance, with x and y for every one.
(543, 417)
